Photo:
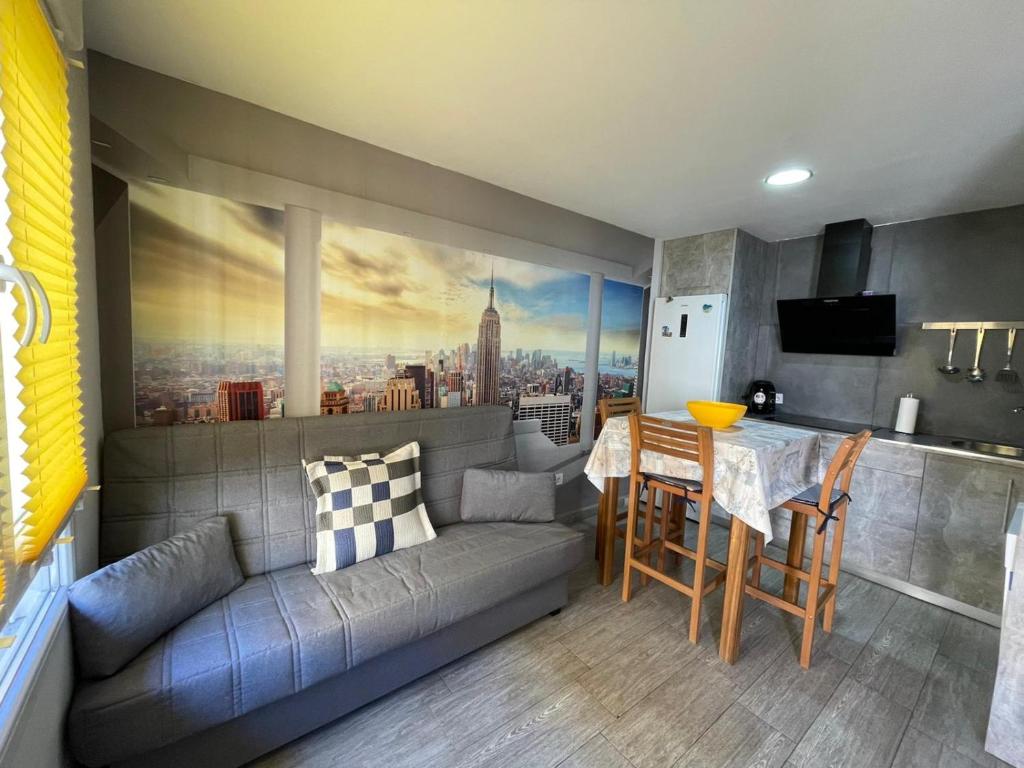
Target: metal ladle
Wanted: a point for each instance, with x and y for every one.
(976, 373)
(949, 368)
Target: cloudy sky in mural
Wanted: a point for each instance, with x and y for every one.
(205, 268)
(391, 292)
(210, 269)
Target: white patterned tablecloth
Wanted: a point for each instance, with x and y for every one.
(758, 464)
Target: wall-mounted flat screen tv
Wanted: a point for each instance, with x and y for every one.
(847, 325)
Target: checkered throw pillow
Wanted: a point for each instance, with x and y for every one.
(367, 506)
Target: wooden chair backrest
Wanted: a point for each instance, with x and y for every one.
(680, 439)
(616, 406)
(840, 469)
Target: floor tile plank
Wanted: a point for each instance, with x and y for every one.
(605, 635)
(542, 736)
(631, 674)
(661, 727)
(858, 728)
(473, 710)
(789, 698)
(895, 663)
(923, 618)
(738, 739)
(971, 643)
(596, 753)
(953, 708)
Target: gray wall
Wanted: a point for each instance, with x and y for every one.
(114, 269)
(964, 267)
(750, 268)
(164, 120)
(698, 264)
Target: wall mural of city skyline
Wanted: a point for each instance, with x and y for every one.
(402, 320)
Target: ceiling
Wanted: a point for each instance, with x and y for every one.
(662, 117)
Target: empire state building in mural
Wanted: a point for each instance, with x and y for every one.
(488, 354)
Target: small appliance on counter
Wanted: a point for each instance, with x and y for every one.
(760, 397)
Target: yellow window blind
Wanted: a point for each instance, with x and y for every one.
(37, 173)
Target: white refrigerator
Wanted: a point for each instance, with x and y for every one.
(686, 352)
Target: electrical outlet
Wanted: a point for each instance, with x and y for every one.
(778, 398)
(559, 478)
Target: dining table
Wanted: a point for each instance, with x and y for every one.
(758, 465)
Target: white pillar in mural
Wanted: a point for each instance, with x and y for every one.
(593, 351)
(301, 311)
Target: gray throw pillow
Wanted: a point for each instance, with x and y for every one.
(497, 496)
(119, 610)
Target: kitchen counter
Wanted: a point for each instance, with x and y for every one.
(951, 446)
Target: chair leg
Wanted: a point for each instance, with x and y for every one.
(679, 512)
(703, 531)
(652, 503)
(599, 530)
(668, 504)
(811, 608)
(755, 577)
(795, 555)
(835, 562)
(610, 533)
(627, 574)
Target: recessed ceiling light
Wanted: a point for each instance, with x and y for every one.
(789, 176)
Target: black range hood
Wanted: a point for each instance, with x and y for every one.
(845, 258)
(841, 321)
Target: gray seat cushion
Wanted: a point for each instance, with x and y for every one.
(678, 482)
(287, 630)
(812, 496)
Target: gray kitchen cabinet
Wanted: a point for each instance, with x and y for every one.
(958, 548)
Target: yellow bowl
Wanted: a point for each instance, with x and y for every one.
(715, 415)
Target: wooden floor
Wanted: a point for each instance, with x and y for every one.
(608, 684)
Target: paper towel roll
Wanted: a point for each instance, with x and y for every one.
(906, 417)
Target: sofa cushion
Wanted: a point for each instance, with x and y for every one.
(119, 610)
(494, 495)
(367, 506)
(287, 630)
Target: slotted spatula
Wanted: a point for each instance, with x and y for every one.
(1006, 374)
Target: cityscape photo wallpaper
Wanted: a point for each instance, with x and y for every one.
(405, 323)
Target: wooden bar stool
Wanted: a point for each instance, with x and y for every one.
(606, 409)
(823, 502)
(683, 441)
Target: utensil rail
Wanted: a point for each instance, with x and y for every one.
(974, 326)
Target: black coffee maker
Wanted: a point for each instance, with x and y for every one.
(760, 398)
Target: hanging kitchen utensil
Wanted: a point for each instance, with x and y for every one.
(949, 368)
(976, 373)
(1006, 374)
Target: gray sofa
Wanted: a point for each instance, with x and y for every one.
(288, 651)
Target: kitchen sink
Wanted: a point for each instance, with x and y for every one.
(992, 448)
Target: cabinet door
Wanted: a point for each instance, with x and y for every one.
(959, 545)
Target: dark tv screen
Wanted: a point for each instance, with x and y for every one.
(847, 325)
